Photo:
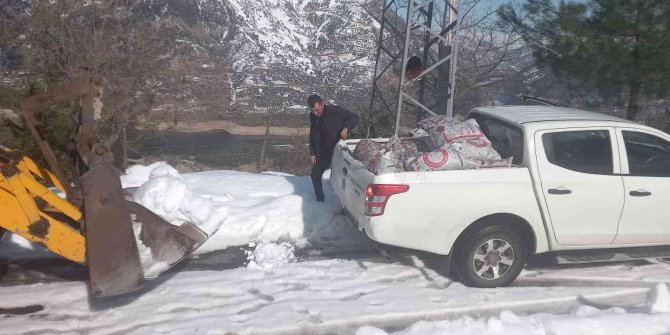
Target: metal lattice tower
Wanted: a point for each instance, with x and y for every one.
(415, 62)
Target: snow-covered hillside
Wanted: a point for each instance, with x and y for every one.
(300, 46)
(310, 35)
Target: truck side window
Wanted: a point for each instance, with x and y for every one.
(588, 151)
(648, 155)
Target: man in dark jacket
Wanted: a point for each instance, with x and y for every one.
(327, 125)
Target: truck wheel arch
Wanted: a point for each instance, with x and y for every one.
(511, 221)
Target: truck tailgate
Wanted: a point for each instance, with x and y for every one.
(350, 179)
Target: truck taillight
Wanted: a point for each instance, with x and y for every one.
(376, 196)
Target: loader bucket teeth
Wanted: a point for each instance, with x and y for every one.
(126, 244)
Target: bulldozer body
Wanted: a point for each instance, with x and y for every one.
(19, 187)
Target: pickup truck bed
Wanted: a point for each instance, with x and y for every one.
(438, 206)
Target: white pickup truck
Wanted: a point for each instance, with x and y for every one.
(580, 182)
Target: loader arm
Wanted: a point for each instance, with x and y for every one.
(19, 186)
(90, 90)
(123, 244)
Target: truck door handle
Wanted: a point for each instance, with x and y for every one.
(640, 193)
(559, 191)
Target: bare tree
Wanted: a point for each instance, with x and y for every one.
(148, 51)
(487, 57)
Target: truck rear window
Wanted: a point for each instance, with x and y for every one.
(506, 139)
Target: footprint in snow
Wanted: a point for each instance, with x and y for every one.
(353, 297)
(252, 308)
(256, 293)
(439, 285)
(377, 303)
(295, 286)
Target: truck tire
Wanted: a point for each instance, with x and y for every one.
(490, 257)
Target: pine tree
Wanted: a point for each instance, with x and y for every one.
(612, 45)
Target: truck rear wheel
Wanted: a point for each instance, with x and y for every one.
(490, 257)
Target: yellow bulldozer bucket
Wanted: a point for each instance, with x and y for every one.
(123, 244)
(126, 244)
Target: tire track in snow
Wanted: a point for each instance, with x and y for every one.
(393, 322)
(30, 271)
(46, 270)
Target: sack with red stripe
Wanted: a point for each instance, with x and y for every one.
(368, 152)
(476, 148)
(450, 159)
(440, 159)
(449, 132)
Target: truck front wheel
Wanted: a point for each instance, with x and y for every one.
(490, 257)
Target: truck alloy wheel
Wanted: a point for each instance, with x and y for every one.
(490, 257)
(493, 259)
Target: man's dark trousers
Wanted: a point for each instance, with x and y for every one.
(322, 164)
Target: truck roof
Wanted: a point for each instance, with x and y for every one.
(526, 114)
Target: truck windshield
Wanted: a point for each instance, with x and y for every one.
(506, 139)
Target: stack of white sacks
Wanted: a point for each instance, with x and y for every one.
(440, 143)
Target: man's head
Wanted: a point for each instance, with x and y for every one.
(315, 103)
(413, 68)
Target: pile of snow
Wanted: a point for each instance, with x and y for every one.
(658, 299)
(268, 255)
(167, 194)
(137, 175)
(234, 208)
(150, 266)
(238, 208)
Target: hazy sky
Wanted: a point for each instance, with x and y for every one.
(492, 3)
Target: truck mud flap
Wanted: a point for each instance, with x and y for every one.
(126, 244)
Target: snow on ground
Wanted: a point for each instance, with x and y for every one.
(659, 299)
(235, 208)
(16, 247)
(244, 207)
(341, 297)
(580, 320)
(274, 213)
